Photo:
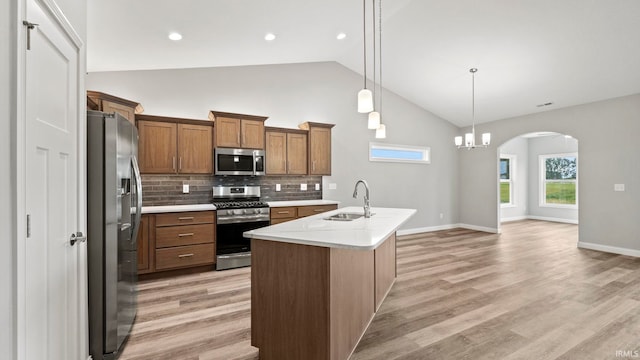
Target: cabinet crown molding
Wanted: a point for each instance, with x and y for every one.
(213, 114)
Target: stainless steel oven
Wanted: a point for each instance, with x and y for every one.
(239, 209)
(239, 161)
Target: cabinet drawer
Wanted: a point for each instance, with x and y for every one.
(184, 235)
(283, 212)
(278, 221)
(184, 256)
(185, 218)
(312, 210)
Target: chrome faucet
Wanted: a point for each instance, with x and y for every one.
(367, 207)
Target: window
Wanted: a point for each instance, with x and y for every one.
(507, 165)
(399, 153)
(559, 180)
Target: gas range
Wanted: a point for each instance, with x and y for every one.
(239, 209)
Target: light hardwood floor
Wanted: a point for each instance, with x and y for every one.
(460, 294)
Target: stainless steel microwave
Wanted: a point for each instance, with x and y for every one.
(238, 162)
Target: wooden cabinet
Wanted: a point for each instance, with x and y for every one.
(319, 147)
(284, 214)
(286, 151)
(144, 258)
(238, 130)
(108, 103)
(184, 240)
(173, 145)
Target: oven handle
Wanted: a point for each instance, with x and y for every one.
(242, 219)
(234, 256)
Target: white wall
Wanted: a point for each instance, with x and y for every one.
(546, 145)
(7, 184)
(518, 147)
(320, 92)
(606, 133)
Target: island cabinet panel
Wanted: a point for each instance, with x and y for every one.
(292, 297)
(385, 264)
(318, 303)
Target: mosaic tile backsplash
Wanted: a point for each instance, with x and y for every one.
(167, 189)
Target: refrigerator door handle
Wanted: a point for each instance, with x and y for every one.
(136, 172)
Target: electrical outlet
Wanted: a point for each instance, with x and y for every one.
(303, 187)
(618, 187)
(333, 186)
(278, 187)
(317, 186)
(185, 188)
(441, 216)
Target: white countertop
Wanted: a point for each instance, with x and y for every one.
(176, 208)
(362, 233)
(302, 203)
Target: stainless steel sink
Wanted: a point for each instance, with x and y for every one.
(344, 217)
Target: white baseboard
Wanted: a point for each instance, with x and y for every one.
(445, 227)
(515, 218)
(479, 228)
(609, 249)
(544, 218)
(426, 229)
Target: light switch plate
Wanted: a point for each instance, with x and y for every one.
(278, 187)
(317, 186)
(303, 187)
(618, 187)
(333, 186)
(185, 188)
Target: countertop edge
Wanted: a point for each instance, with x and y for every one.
(286, 203)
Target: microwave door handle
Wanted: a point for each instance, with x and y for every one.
(136, 224)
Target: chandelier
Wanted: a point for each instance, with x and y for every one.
(470, 138)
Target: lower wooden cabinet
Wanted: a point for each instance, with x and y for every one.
(171, 241)
(284, 214)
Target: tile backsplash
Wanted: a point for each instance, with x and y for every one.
(167, 189)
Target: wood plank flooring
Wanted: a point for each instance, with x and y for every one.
(528, 293)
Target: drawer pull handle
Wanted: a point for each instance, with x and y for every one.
(185, 255)
(187, 234)
(283, 212)
(186, 218)
(318, 210)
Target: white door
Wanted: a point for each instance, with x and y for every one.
(52, 322)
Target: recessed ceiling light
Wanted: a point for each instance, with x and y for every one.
(270, 37)
(341, 36)
(175, 36)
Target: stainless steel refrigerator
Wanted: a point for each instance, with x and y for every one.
(114, 200)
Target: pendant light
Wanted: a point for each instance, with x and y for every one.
(381, 131)
(374, 116)
(365, 97)
(470, 138)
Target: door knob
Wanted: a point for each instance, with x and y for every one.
(77, 237)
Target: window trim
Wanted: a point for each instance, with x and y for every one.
(426, 153)
(510, 181)
(543, 180)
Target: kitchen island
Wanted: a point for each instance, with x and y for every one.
(316, 284)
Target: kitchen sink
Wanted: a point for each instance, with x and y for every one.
(344, 216)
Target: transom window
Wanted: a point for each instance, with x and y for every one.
(507, 164)
(399, 153)
(559, 180)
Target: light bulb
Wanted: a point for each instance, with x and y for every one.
(486, 139)
(468, 140)
(458, 140)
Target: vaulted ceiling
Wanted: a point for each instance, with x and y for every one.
(528, 52)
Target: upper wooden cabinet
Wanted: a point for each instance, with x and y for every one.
(174, 145)
(238, 130)
(109, 103)
(319, 147)
(286, 151)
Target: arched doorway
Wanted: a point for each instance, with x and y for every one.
(538, 178)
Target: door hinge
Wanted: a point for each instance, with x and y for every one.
(28, 226)
(30, 26)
